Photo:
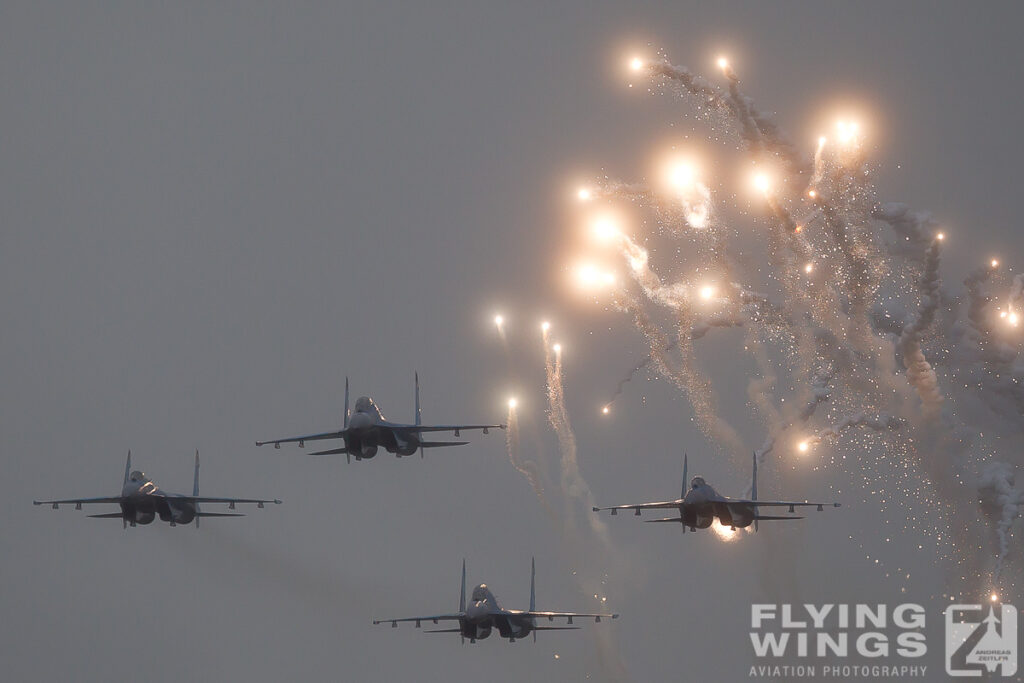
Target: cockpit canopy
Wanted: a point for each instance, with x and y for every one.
(365, 404)
(697, 482)
(138, 476)
(480, 592)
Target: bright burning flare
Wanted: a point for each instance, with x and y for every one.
(848, 131)
(707, 292)
(583, 194)
(762, 183)
(605, 410)
(803, 446)
(557, 348)
(589, 276)
(682, 175)
(723, 63)
(512, 403)
(723, 532)
(499, 320)
(604, 229)
(809, 268)
(636, 64)
(941, 236)
(545, 326)
(994, 263)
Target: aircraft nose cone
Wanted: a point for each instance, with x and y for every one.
(360, 421)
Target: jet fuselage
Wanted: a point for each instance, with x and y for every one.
(484, 614)
(366, 433)
(147, 502)
(702, 504)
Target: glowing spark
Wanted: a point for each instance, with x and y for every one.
(799, 228)
(499, 320)
(583, 194)
(994, 597)
(812, 193)
(557, 348)
(512, 403)
(1012, 319)
(606, 410)
(762, 183)
(803, 446)
(636, 64)
(809, 268)
(1002, 314)
(941, 236)
(707, 292)
(994, 263)
(822, 141)
(545, 326)
(723, 63)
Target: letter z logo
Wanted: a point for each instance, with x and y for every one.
(981, 638)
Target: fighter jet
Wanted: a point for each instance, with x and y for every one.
(141, 501)
(699, 506)
(483, 614)
(367, 430)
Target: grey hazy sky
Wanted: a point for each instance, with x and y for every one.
(214, 212)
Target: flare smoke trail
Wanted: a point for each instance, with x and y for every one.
(919, 372)
(878, 424)
(998, 492)
(578, 498)
(527, 468)
(584, 543)
(853, 328)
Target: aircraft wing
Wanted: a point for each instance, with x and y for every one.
(781, 503)
(310, 437)
(419, 429)
(432, 618)
(666, 504)
(78, 502)
(207, 499)
(550, 616)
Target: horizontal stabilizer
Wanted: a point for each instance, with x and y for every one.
(219, 514)
(443, 630)
(556, 628)
(668, 519)
(441, 444)
(762, 517)
(333, 451)
(109, 515)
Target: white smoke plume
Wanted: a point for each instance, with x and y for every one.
(844, 316)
